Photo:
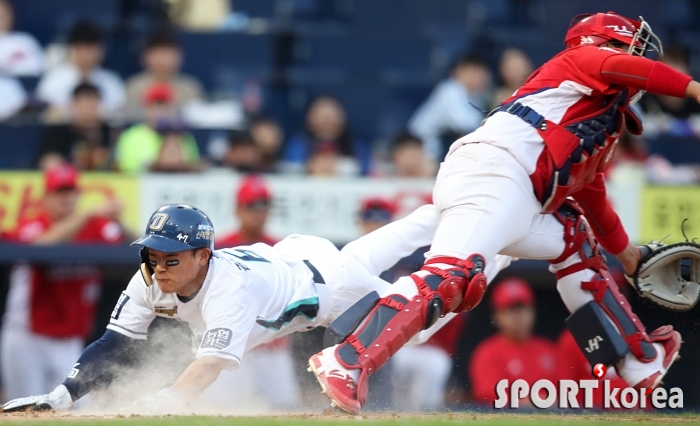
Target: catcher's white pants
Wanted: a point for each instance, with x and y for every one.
(419, 376)
(32, 364)
(487, 206)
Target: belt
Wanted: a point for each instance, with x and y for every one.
(318, 278)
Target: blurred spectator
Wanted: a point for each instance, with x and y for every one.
(202, 15)
(268, 371)
(253, 200)
(242, 154)
(409, 158)
(139, 145)
(50, 308)
(84, 141)
(514, 352)
(455, 107)
(171, 158)
(162, 59)
(326, 126)
(85, 54)
(632, 155)
(324, 160)
(14, 98)
(268, 137)
(572, 365)
(665, 114)
(20, 53)
(513, 68)
(375, 212)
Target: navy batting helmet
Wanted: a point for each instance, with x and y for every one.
(178, 227)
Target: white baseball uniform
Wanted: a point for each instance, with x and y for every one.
(254, 294)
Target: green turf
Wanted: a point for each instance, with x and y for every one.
(370, 420)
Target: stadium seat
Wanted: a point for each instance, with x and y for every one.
(219, 59)
(46, 20)
(19, 145)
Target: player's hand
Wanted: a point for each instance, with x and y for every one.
(59, 399)
(630, 257)
(166, 401)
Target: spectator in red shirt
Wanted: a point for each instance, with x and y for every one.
(50, 307)
(253, 201)
(268, 374)
(514, 352)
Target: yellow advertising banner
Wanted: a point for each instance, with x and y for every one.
(664, 208)
(21, 194)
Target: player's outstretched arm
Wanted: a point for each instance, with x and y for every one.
(95, 368)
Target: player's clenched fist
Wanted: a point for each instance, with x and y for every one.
(59, 399)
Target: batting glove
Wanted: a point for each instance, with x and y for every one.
(59, 399)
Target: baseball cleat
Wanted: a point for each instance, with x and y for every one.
(335, 381)
(670, 342)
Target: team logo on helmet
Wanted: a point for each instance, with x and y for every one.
(157, 221)
(623, 31)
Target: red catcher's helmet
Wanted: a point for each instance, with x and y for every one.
(596, 29)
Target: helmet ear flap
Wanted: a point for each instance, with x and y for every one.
(146, 268)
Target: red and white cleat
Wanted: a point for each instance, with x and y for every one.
(335, 381)
(670, 342)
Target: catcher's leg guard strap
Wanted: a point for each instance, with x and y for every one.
(347, 322)
(395, 319)
(580, 241)
(608, 296)
(596, 336)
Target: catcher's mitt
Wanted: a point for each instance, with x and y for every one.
(668, 275)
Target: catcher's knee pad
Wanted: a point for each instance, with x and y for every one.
(456, 286)
(580, 240)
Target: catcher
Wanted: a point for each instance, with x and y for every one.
(520, 186)
(234, 299)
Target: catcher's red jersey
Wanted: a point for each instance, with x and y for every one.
(537, 124)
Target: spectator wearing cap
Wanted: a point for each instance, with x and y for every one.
(253, 200)
(139, 145)
(162, 59)
(85, 54)
(50, 307)
(375, 212)
(20, 53)
(84, 141)
(327, 134)
(409, 158)
(513, 352)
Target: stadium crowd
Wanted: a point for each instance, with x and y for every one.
(93, 118)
